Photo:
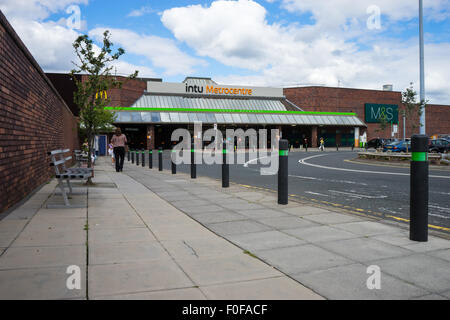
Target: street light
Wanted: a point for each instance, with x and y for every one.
(422, 76)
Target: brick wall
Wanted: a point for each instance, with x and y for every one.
(354, 100)
(33, 120)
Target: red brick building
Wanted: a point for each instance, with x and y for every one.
(33, 120)
(354, 100)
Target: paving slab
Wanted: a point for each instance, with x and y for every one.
(50, 237)
(289, 222)
(12, 226)
(38, 257)
(264, 240)
(364, 249)
(120, 235)
(173, 294)
(349, 282)
(261, 213)
(304, 210)
(218, 216)
(198, 248)
(39, 284)
(130, 221)
(201, 209)
(367, 228)
(126, 252)
(432, 244)
(318, 233)
(441, 254)
(301, 258)
(237, 227)
(242, 206)
(281, 288)
(114, 279)
(227, 269)
(332, 218)
(422, 270)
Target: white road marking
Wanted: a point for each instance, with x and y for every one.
(307, 178)
(253, 160)
(438, 215)
(302, 161)
(357, 195)
(439, 208)
(317, 194)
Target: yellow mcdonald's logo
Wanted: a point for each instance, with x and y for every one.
(101, 95)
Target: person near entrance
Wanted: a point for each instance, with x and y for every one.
(119, 141)
(305, 144)
(322, 144)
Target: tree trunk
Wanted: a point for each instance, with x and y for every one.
(90, 147)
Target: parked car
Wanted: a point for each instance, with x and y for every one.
(376, 143)
(398, 146)
(439, 146)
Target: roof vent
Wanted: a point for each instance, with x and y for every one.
(388, 87)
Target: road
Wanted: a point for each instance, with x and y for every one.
(329, 178)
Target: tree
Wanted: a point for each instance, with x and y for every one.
(90, 97)
(412, 110)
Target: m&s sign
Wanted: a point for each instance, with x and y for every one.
(375, 113)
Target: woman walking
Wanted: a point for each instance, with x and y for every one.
(119, 141)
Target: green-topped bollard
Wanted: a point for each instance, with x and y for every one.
(283, 172)
(225, 167)
(418, 228)
(193, 165)
(128, 155)
(137, 157)
(150, 159)
(174, 165)
(160, 158)
(143, 158)
(132, 156)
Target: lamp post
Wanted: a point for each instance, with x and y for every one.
(422, 73)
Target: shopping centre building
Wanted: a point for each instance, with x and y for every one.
(149, 110)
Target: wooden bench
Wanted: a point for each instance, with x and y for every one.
(63, 173)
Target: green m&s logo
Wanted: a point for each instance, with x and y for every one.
(375, 113)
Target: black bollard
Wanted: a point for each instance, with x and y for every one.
(150, 159)
(174, 165)
(337, 147)
(137, 157)
(128, 155)
(225, 167)
(132, 156)
(283, 172)
(193, 165)
(418, 228)
(143, 157)
(160, 159)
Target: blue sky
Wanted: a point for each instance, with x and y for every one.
(362, 44)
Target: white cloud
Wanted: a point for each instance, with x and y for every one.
(237, 34)
(141, 11)
(35, 9)
(162, 52)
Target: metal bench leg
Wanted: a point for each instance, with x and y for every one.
(70, 187)
(66, 199)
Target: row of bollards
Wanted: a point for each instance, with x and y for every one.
(418, 178)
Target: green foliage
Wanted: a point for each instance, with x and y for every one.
(412, 109)
(95, 64)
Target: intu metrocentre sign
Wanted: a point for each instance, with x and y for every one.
(212, 89)
(375, 113)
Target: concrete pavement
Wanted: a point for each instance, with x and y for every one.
(146, 234)
(323, 248)
(128, 243)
